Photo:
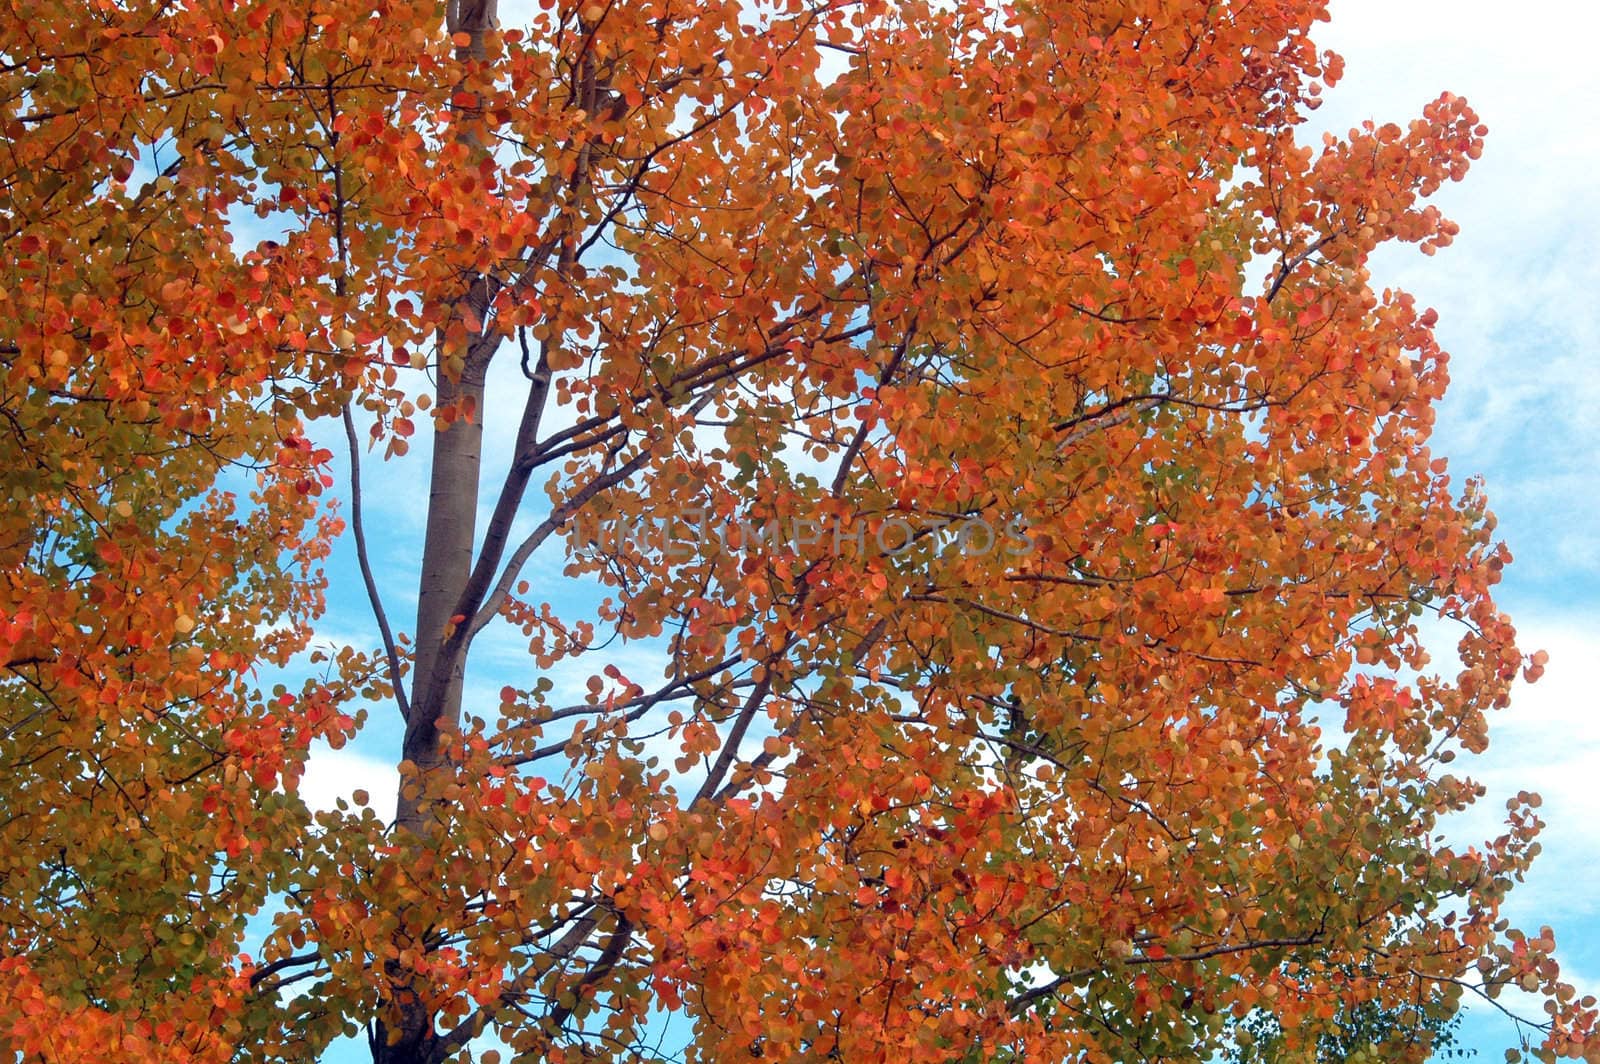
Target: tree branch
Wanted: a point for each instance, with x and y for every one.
(1026, 1000)
(482, 615)
(358, 528)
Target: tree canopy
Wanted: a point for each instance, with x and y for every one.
(981, 411)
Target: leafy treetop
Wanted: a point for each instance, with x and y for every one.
(1162, 751)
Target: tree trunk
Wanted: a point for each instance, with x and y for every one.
(436, 686)
(446, 566)
(438, 668)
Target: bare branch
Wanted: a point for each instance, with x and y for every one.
(1288, 266)
(559, 516)
(358, 528)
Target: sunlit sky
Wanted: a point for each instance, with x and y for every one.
(1517, 296)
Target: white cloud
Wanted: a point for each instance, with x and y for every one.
(1547, 742)
(333, 774)
(1515, 291)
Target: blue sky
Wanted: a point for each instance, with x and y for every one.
(1517, 299)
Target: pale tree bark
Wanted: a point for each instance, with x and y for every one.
(437, 674)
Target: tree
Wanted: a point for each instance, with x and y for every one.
(985, 411)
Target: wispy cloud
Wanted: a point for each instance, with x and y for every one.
(334, 774)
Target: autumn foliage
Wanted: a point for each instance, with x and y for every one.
(849, 267)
